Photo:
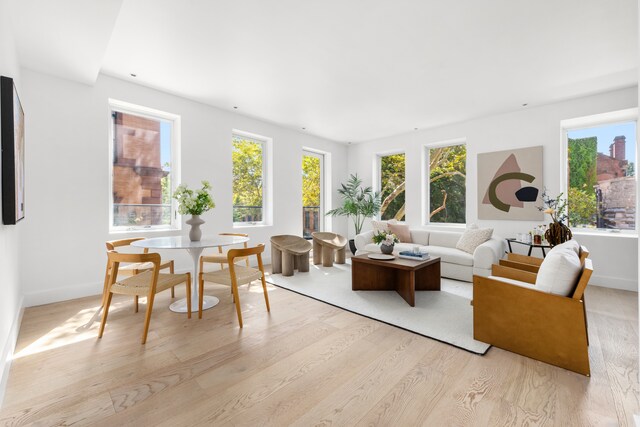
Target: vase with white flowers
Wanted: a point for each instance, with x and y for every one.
(194, 203)
(386, 241)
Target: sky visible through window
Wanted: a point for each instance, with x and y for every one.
(606, 133)
(165, 143)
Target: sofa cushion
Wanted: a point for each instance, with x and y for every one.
(382, 225)
(451, 255)
(472, 238)
(420, 236)
(401, 231)
(447, 239)
(559, 271)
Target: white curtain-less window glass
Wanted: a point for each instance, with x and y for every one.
(248, 180)
(602, 177)
(392, 186)
(141, 180)
(447, 184)
(311, 193)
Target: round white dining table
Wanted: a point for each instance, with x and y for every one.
(195, 250)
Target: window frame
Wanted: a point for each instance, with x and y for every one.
(306, 151)
(377, 174)
(426, 193)
(596, 120)
(153, 114)
(267, 181)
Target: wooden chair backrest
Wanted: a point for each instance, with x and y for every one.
(115, 258)
(583, 281)
(233, 234)
(113, 244)
(235, 253)
(584, 254)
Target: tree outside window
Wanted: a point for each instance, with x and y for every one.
(248, 179)
(392, 185)
(447, 184)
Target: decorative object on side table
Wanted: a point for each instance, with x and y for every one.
(194, 203)
(386, 241)
(558, 231)
(357, 203)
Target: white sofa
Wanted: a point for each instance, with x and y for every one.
(454, 263)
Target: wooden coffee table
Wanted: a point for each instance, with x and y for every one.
(405, 276)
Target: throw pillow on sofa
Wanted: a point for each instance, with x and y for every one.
(379, 226)
(472, 238)
(401, 231)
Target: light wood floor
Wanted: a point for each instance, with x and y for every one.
(307, 363)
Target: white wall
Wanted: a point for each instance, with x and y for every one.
(615, 258)
(11, 301)
(67, 178)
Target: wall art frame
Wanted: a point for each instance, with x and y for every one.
(509, 184)
(13, 154)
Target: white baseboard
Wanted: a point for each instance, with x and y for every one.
(614, 283)
(8, 349)
(62, 294)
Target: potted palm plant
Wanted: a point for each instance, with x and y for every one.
(358, 203)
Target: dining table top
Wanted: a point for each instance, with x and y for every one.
(183, 242)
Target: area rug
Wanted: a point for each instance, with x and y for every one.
(446, 316)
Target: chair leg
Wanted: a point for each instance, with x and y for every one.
(317, 252)
(341, 256)
(173, 288)
(287, 264)
(147, 317)
(105, 312)
(327, 256)
(264, 289)
(236, 297)
(276, 260)
(303, 262)
(135, 303)
(200, 296)
(188, 284)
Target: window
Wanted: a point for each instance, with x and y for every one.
(249, 177)
(446, 186)
(601, 177)
(144, 172)
(392, 186)
(312, 192)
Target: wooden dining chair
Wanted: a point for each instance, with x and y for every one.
(221, 256)
(147, 283)
(236, 275)
(132, 269)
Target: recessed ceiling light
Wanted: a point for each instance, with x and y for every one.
(524, 105)
(133, 75)
(304, 128)
(415, 128)
(235, 107)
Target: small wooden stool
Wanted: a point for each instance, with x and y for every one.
(289, 253)
(326, 247)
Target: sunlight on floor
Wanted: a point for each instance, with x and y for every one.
(75, 329)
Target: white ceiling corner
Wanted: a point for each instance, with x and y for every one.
(64, 38)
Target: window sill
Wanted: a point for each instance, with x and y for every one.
(134, 230)
(630, 234)
(249, 225)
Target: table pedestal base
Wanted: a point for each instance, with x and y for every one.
(180, 306)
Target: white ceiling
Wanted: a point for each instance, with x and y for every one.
(347, 70)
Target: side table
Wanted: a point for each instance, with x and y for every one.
(531, 246)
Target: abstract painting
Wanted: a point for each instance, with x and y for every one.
(509, 183)
(12, 120)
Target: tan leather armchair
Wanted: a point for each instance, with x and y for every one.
(544, 326)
